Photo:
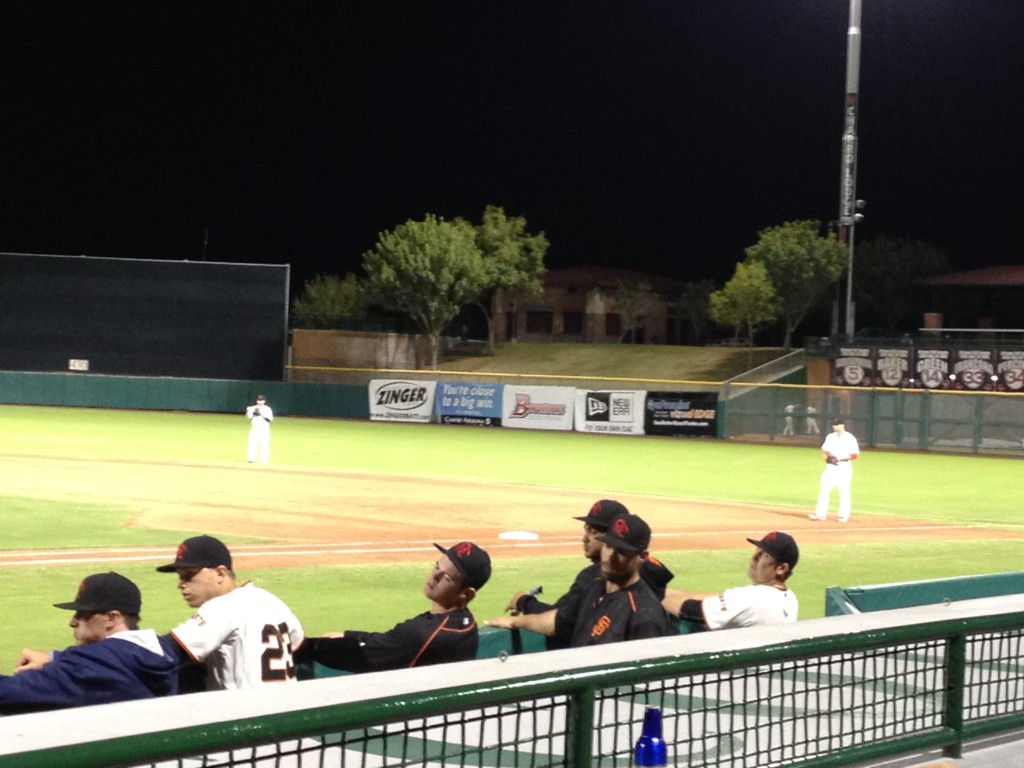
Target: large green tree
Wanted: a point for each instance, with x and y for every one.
(427, 270)
(801, 264)
(513, 258)
(884, 273)
(746, 301)
(326, 300)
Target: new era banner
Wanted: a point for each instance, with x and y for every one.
(681, 413)
(468, 404)
(401, 400)
(537, 407)
(612, 413)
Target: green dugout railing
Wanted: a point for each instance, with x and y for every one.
(823, 692)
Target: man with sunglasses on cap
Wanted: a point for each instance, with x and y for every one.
(112, 659)
(595, 524)
(243, 635)
(447, 632)
(766, 600)
(617, 606)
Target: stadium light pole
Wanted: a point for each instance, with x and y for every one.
(848, 202)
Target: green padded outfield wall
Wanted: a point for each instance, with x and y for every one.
(341, 401)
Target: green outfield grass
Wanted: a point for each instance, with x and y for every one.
(957, 489)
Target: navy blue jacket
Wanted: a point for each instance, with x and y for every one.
(114, 669)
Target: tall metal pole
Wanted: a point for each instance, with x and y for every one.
(848, 168)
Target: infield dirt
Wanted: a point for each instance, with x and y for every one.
(306, 516)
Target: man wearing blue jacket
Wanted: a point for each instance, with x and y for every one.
(112, 659)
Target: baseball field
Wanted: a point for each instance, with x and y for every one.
(340, 524)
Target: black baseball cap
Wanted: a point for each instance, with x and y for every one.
(472, 562)
(628, 533)
(105, 592)
(602, 513)
(781, 546)
(199, 552)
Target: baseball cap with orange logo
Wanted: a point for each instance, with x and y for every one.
(627, 532)
(472, 562)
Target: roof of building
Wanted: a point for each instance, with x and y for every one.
(1007, 275)
(607, 277)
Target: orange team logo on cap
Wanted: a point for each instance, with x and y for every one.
(182, 549)
(465, 549)
(81, 588)
(596, 509)
(770, 536)
(621, 527)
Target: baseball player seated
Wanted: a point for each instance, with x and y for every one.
(767, 600)
(618, 606)
(447, 632)
(240, 635)
(112, 659)
(595, 524)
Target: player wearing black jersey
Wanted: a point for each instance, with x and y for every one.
(447, 632)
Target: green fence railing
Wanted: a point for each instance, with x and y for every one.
(823, 692)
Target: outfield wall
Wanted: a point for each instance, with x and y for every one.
(791, 414)
(343, 401)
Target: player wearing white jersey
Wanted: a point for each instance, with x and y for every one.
(244, 635)
(766, 600)
(839, 450)
(259, 415)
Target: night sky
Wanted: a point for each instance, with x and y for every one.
(658, 135)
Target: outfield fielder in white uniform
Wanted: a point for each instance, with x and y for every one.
(259, 415)
(244, 635)
(839, 450)
(766, 600)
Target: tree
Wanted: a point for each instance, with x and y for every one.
(427, 270)
(801, 265)
(327, 299)
(695, 301)
(633, 301)
(513, 258)
(884, 273)
(746, 301)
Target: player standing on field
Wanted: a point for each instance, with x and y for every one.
(839, 450)
(243, 635)
(259, 415)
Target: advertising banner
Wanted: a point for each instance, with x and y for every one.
(974, 369)
(537, 407)
(932, 369)
(401, 400)
(893, 367)
(681, 413)
(854, 367)
(1011, 370)
(612, 413)
(468, 404)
